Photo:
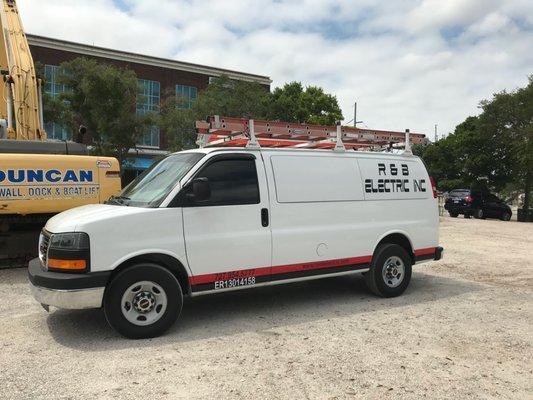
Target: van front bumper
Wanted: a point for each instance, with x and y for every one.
(69, 299)
(66, 290)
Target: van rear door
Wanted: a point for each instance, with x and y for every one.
(227, 237)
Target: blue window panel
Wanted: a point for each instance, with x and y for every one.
(56, 131)
(54, 89)
(148, 98)
(150, 138)
(186, 96)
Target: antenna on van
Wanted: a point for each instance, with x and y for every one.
(252, 143)
(407, 150)
(339, 145)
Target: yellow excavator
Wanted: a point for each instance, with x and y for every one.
(38, 177)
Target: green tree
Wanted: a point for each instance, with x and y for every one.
(54, 109)
(102, 98)
(223, 96)
(232, 98)
(471, 156)
(507, 120)
(177, 123)
(494, 149)
(311, 105)
(443, 165)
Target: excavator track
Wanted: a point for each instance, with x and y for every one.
(19, 239)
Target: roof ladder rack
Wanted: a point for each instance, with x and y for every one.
(219, 131)
(407, 149)
(339, 145)
(252, 142)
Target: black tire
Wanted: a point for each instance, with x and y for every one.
(453, 214)
(479, 214)
(123, 281)
(506, 216)
(374, 277)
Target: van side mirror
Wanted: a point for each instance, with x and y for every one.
(201, 190)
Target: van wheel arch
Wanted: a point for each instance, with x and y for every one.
(164, 260)
(399, 239)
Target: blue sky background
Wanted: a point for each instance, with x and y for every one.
(408, 64)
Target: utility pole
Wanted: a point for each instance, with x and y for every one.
(355, 121)
(436, 136)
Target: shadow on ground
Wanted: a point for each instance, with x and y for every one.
(255, 310)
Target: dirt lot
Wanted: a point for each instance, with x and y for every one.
(464, 329)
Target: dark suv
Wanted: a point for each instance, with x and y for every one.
(477, 204)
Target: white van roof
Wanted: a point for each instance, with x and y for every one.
(349, 153)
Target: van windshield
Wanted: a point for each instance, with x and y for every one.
(151, 187)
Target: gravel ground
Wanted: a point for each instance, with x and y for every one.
(463, 329)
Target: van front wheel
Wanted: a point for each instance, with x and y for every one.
(143, 301)
(390, 271)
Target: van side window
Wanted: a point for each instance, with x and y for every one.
(232, 182)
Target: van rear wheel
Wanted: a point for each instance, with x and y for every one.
(143, 301)
(390, 271)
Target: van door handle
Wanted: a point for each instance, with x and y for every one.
(264, 217)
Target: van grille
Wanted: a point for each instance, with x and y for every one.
(44, 243)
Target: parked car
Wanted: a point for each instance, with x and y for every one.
(477, 204)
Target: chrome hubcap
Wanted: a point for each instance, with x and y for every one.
(393, 271)
(144, 303)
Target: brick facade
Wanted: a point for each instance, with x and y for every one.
(167, 72)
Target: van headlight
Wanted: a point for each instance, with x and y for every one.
(69, 252)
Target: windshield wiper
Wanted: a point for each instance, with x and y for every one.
(117, 200)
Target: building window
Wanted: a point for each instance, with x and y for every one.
(54, 89)
(56, 131)
(185, 96)
(148, 96)
(150, 138)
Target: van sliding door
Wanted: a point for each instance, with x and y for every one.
(318, 215)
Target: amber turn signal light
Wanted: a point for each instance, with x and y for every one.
(76, 265)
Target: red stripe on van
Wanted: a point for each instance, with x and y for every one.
(220, 276)
(426, 251)
(340, 262)
(279, 269)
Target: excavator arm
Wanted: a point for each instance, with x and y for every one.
(21, 108)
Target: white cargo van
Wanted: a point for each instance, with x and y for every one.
(219, 219)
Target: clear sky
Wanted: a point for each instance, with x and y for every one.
(407, 63)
